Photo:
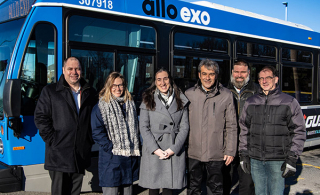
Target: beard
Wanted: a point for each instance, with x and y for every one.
(239, 84)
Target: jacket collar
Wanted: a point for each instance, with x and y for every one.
(64, 89)
(62, 84)
(161, 108)
(184, 99)
(173, 107)
(273, 92)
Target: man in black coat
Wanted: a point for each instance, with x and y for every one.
(242, 88)
(272, 135)
(62, 116)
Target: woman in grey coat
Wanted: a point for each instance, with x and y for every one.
(164, 127)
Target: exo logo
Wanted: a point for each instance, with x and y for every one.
(312, 121)
(187, 15)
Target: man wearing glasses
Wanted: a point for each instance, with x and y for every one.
(272, 135)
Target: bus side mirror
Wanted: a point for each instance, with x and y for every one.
(12, 98)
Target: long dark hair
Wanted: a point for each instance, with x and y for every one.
(148, 98)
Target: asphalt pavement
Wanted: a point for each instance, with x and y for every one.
(306, 181)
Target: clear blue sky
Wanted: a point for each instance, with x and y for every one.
(306, 12)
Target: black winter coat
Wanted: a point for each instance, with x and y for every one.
(239, 99)
(67, 135)
(272, 126)
(247, 91)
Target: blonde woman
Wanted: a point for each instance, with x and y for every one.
(115, 128)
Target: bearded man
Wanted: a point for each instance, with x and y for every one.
(242, 88)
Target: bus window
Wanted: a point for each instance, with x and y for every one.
(297, 82)
(185, 71)
(294, 55)
(318, 79)
(255, 50)
(183, 41)
(100, 31)
(3, 74)
(138, 71)
(134, 58)
(39, 66)
(8, 35)
(185, 66)
(96, 66)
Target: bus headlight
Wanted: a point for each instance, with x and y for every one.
(1, 146)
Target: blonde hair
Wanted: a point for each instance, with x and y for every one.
(106, 93)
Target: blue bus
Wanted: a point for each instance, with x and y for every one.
(135, 38)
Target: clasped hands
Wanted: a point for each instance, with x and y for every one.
(163, 154)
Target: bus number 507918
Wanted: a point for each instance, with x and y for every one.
(99, 3)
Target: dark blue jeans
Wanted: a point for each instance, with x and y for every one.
(267, 177)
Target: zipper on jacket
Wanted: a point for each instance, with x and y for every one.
(75, 146)
(239, 99)
(235, 93)
(214, 107)
(263, 129)
(239, 96)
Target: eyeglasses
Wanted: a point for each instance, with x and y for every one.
(114, 86)
(268, 79)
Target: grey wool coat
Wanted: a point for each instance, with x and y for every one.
(163, 128)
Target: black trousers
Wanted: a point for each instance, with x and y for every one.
(165, 191)
(213, 172)
(246, 185)
(65, 183)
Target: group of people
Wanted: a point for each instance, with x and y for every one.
(257, 131)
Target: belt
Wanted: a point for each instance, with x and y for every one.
(172, 132)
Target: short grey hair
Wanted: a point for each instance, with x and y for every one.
(209, 64)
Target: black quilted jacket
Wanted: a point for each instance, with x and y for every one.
(271, 126)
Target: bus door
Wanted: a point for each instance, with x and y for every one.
(33, 67)
(8, 34)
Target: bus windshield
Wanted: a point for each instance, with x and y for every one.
(8, 34)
